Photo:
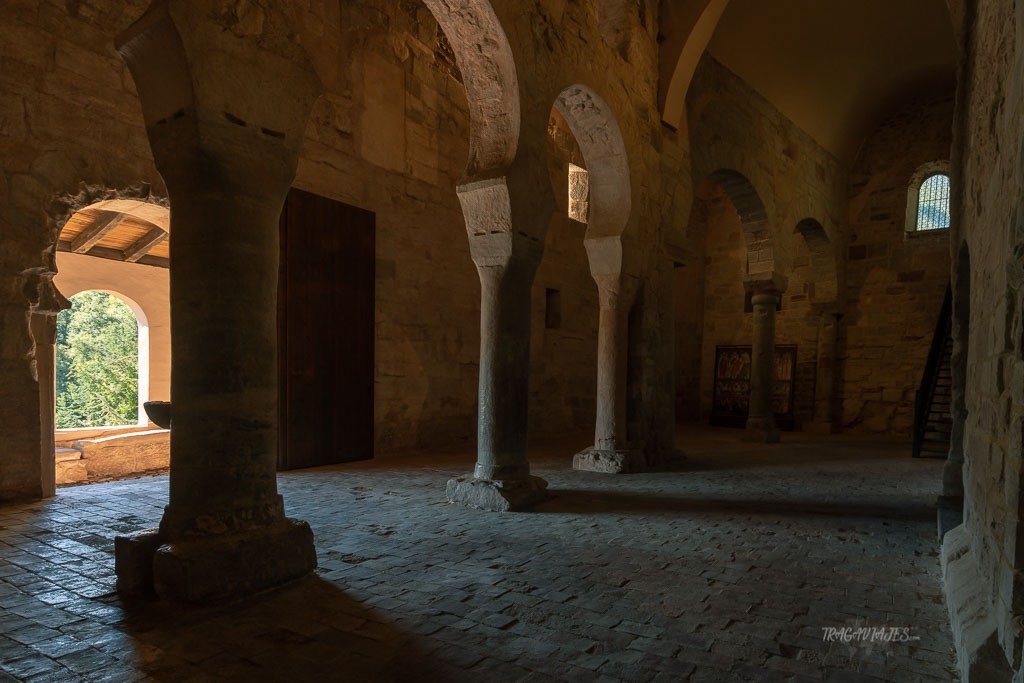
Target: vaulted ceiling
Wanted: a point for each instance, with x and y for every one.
(836, 67)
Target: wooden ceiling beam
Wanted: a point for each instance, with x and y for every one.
(118, 255)
(87, 239)
(144, 244)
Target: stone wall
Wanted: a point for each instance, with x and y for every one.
(988, 211)
(895, 280)
(390, 136)
(70, 125)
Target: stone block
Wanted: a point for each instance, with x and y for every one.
(497, 496)
(212, 569)
(71, 471)
(133, 561)
(126, 453)
(609, 462)
(971, 614)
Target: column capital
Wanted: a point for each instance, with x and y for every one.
(773, 284)
(505, 249)
(221, 89)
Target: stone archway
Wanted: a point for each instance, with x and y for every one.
(757, 234)
(688, 28)
(764, 286)
(484, 57)
(597, 132)
(506, 257)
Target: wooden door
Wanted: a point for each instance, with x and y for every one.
(325, 332)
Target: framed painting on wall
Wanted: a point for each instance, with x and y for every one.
(731, 399)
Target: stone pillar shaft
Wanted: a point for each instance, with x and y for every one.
(502, 428)
(506, 263)
(617, 291)
(224, 435)
(612, 352)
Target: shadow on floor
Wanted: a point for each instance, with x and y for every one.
(309, 630)
(576, 501)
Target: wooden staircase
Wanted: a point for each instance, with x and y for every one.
(933, 421)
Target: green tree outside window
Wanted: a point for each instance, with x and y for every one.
(97, 362)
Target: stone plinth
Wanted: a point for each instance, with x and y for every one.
(609, 461)
(210, 569)
(497, 496)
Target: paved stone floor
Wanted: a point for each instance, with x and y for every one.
(727, 568)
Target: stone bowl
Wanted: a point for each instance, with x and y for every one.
(159, 412)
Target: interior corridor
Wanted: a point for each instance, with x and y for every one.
(727, 567)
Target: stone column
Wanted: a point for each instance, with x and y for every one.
(824, 386)
(226, 99)
(610, 452)
(761, 418)
(506, 263)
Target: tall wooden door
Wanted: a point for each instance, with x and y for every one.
(325, 332)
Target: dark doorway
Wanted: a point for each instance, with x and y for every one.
(325, 332)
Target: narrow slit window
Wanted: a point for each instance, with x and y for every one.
(933, 203)
(579, 193)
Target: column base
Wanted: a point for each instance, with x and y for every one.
(497, 495)
(211, 569)
(761, 431)
(949, 513)
(609, 461)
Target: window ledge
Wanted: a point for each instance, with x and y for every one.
(926, 234)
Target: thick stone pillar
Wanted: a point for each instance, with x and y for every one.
(506, 263)
(825, 381)
(611, 452)
(226, 98)
(761, 417)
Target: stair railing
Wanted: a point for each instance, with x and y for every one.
(924, 395)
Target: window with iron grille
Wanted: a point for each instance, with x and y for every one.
(933, 203)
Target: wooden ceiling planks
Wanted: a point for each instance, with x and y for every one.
(105, 233)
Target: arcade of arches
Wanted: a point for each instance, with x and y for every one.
(634, 313)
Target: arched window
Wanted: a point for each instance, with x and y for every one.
(97, 362)
(933, 203)
(928, 199)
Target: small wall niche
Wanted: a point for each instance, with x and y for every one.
(552, 309)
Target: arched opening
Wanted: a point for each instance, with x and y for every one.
(113, 346)
(102, 361)
(822, 277)
(594, 136)
(600, 142)
(729, 246)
